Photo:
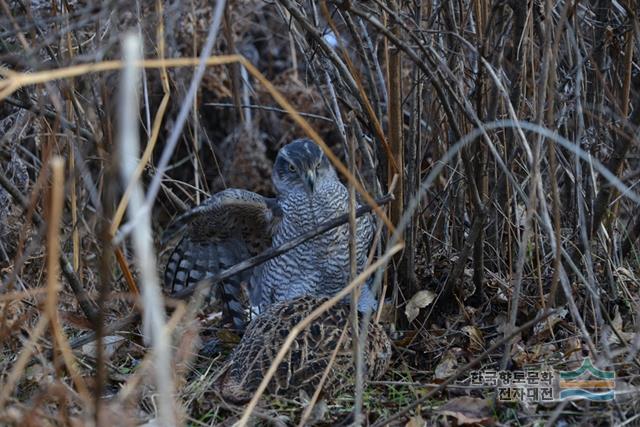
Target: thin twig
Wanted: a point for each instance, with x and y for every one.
(53, 284)
(185, 108)
(266, 108)
(85, 302)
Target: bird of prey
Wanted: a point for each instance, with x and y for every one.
(308, 356)
(235, 224)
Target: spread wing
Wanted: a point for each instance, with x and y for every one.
(227, 228)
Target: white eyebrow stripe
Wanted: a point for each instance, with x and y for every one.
(306, 148)
(285, 154)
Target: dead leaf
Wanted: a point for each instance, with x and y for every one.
(622, 272)
(520, 356)
(617, 325)
(468, 410)
(501, 294)
(446, 367)
(547, 325)
(388, 313)
(572, 350)
(420, 300)
(416, 421)
(543, 351)
(476, 340)
(37, 373)
(617, 320)
(111, 344)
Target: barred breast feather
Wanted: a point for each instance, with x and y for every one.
(320, 266)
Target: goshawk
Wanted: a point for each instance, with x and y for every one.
(235, 224)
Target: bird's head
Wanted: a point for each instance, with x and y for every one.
(301, 166)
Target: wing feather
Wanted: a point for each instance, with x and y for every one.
(225, 229)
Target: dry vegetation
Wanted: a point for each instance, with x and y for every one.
(514, 124)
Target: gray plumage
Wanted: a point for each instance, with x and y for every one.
(318, 267)
(234, 224)
(227, 228)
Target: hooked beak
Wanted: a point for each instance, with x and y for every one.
(310, 181)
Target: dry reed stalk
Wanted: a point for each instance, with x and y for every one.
(14, 81)
(133, 381)
(19, 295)
(476, 62)
(126, 272)
(50, 315)
(53, 276)
(155, 130)
(152, 301)
(362, 93)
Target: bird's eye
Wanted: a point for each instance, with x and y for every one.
(292, 168)
(318, 166)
